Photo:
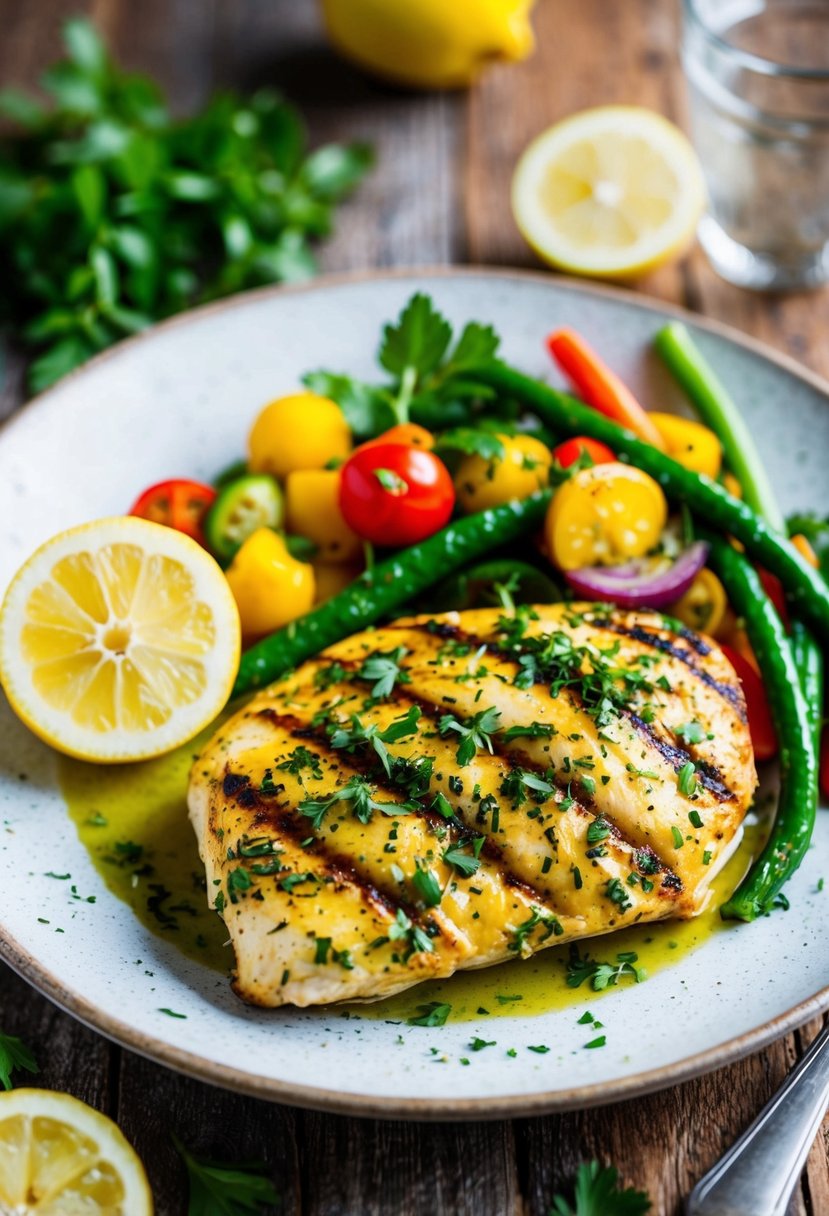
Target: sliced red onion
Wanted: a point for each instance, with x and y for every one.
(641, 584)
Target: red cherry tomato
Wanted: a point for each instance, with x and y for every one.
(391, 494)
(763, 736)
(178, 503)
(571, 451)
(774, 590)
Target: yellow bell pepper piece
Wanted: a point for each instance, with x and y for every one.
(312, 510)
(523, 469)
(302, 431)
(270, 586)
(604, 515)
(690, 443)
(703, 605)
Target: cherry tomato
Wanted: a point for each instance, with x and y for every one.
(774, 590)
(391, 494)
(760, 723)
(572, 450)
(177, 503)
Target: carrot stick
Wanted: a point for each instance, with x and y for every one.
(600, 387)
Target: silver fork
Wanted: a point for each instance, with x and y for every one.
(758, 1174)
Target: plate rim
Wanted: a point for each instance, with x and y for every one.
(581, 1097)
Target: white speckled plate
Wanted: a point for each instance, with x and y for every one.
(179, 400)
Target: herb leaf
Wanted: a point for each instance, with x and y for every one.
(596, 1194)
(14, 1054)
(225, 1190)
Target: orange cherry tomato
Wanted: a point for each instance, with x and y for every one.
(571, 450)
(760, 724)
(407, 433)
(177, 503)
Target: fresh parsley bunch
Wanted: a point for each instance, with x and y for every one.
(113, 215)
(596, 1193)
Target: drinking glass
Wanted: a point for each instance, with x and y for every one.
(758, 76)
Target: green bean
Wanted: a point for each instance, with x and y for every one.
(809, 662)
(386, 587)
(795, 819)
(707, 500)
(718, 411)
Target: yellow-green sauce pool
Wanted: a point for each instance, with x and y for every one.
(132, 819)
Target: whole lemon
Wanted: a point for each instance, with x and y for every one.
(433, 44)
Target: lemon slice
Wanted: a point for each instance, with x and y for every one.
(59, 1157)
(613, 192)
(119, 640)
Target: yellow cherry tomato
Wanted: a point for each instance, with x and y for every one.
(690, 443)
(303, 431)
(431, 44)
(312, 510)
(603, 515)
(703, 605)
(331, 579)
(270, 587)
(523, 469)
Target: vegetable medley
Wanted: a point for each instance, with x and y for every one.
(458, 481)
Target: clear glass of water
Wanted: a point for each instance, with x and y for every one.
(758, 76)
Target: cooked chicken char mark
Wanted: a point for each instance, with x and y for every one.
(572, 825)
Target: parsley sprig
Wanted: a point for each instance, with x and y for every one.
(383, 669)
(14, 1055)
(596, 1193)
(225, 1190)
(357, 735)
(582, 968)
(113, 214)
(357, 791)
(474, 733)
(432, 380)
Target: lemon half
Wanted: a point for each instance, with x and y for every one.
(59, 1157)
(611, 192)
(119, 640)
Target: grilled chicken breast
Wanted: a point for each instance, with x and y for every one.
(455, 791)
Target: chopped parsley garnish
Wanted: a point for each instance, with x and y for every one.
(540, 1049)
(358, 735)
(690, 732)
(598, 830)
(522, 932)
(383, 669)
(443, 806)
(677, 837)
(582, 968)
(477, 1044)
(357, 791)
(290, 881)
(475, 733)
(14, 1055)
(600, 1041)
(417, 940)
(464, 863)
(426, 884)
(412, 776)
(302, 760)
(238, 882)
(535, 730)
(617, 894)
(334, 673)
(686, 781)
(434, 1013)
(695, 819)
(521, 783)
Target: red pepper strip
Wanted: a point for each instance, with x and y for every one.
(774, 590)
(600, 387)
(763, 736)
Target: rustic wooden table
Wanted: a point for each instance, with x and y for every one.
(440, 194)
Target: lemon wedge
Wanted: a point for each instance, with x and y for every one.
(59, 1157)
(119, 640)
(611, 192)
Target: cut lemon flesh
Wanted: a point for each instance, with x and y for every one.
(613, 191)
(119, 640)
(59, 1157)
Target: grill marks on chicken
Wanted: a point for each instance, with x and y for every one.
(516, 783)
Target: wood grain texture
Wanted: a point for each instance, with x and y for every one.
(440, 193)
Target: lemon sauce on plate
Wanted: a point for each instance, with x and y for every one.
(132, 820)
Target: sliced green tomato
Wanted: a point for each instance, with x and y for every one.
(242, 506)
